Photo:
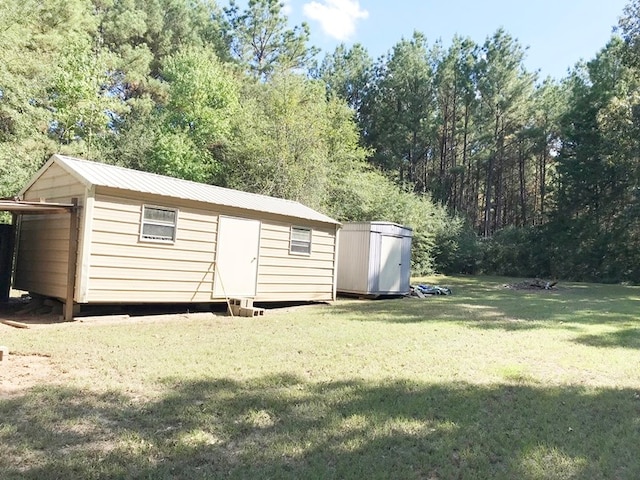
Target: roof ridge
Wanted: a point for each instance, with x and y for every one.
(129, 179)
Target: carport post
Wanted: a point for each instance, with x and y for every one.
(7, 234)
(73, 258)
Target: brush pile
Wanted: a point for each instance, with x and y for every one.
(536, 284)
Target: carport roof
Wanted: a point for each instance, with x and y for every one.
(14, 205)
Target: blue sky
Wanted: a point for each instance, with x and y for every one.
(558, 33)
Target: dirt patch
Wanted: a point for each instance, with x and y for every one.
(24, 312)
(21, 372)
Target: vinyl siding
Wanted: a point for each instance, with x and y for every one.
(43, 247)
(123, 268)
(283, 276)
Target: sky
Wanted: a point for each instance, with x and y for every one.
(556, 33)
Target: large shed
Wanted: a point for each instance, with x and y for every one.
(374, 259)
(138, 237)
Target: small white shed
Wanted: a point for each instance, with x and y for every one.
(374, 258)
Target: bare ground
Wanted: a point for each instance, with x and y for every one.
(21, 371)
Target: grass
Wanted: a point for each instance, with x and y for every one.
(486, 383)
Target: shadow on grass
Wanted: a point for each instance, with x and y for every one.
(287, 427)
(625, 337)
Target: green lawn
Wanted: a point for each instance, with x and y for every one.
(489, 382)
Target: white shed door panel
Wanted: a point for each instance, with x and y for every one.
(390, 264)
(236, 269)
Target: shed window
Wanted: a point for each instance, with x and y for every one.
(300, 241)
(158, 224)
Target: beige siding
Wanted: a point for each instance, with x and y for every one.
(283, 276)
(42, 252)
(55, 185)
(124, 268)
(115, 265)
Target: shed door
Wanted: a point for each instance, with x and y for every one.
(236, 269)
(390, 264)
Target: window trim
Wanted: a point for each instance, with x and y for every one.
(144, 221)
(308, 243)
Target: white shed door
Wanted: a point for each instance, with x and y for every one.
(236, 268)
(390, 264)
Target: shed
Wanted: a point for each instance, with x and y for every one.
(374, 259)
(147, 238)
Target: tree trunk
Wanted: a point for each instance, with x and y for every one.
(523, 185)
(489, 178)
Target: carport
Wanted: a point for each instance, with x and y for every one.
(8, 239)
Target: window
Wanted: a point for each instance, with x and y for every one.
(158, 224)
(300, 243)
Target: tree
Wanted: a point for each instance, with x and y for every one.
(629, 28)
(595, 227)
(504, 88)
(399, 123)
(549, 104)
(143, 33)
(261, 41)
(347, 74)
(196, 120)
(457, 105)
(280, 145)
(81, 105)
(34, 40)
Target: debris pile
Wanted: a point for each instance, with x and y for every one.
(421, 291)
(536, 284)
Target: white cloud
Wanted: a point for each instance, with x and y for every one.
(337, 17)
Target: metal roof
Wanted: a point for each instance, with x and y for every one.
(101, 174)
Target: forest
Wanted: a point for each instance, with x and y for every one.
(495, 169)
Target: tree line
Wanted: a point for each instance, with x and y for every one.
(495, 169)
